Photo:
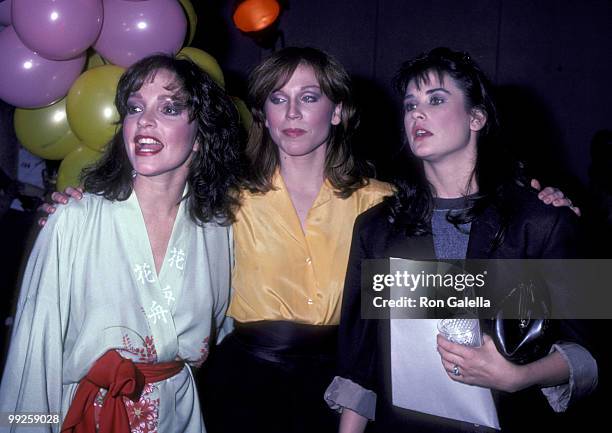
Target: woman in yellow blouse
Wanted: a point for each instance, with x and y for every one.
(292, 237)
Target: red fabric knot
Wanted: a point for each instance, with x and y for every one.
(128, 381)
(122, 378)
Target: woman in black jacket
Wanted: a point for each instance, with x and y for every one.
(461, 199)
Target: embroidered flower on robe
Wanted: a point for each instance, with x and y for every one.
(203, 353)
(142, 414)
(147, 353)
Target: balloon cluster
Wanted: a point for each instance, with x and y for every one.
(61, 62)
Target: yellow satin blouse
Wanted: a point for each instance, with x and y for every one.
(282, 273)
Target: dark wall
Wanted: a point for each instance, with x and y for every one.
(549, 58)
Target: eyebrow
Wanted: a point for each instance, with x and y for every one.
(429, 92)
(171, 96)
(310, 86)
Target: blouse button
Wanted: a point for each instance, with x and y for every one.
(310, 301)
(308, 260)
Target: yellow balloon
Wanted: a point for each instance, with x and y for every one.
(246, 118)
(192, 17)
(70, 168)
(45, 131)
(205, 61)
(90, 105)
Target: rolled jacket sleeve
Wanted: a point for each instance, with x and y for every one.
(582, 381)
(344, 393)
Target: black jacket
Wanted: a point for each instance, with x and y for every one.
(530, 230)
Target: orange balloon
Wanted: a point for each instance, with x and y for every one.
(256, 15)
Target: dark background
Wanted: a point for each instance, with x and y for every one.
(549, 58)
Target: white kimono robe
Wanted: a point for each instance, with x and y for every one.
(90, 286)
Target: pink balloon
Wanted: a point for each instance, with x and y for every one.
(58, 29)
(28, 80)
(5, 12)
(135, 29)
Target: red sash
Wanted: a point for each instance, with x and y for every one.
(122, 378)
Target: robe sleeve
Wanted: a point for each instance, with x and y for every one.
(32, 380)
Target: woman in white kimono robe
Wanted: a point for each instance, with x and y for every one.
(93, 282)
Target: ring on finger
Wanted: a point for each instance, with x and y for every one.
(455, 371)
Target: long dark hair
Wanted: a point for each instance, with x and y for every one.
(412, 205)
(342, 169)
(215, 169)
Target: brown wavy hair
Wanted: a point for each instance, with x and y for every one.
(344, 172)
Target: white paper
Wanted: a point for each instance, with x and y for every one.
(419, 381)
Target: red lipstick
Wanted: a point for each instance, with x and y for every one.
(294, 132)
(419, 132)
(147, 145)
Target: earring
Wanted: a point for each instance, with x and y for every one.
(134, 173)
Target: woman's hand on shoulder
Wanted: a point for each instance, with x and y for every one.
(554, 196)
(58, 198)
(482, 366)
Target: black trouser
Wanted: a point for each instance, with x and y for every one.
(270, 377)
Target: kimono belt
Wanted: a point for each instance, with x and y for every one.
(122, 378)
